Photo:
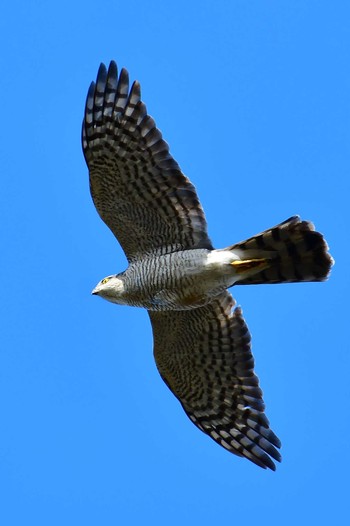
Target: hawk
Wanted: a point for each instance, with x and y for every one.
(202, 345)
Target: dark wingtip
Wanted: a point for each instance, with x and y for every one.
(102, 73)
(112, 72)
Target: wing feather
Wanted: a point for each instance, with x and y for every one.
(204, 356)
(137, 187)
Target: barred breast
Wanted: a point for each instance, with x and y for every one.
(177, 281)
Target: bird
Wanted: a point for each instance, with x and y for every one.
(202, 345)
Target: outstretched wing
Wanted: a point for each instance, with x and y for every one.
(204, 357)
(137, 187)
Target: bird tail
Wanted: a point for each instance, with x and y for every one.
(291, 251)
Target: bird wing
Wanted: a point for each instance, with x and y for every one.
(204, 356)
(137, 187)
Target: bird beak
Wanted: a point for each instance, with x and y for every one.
(95, 291)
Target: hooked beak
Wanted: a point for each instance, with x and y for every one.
(95, 291)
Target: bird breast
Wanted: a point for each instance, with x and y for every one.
(176, 281)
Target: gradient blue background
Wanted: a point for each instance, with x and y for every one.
(253, 98)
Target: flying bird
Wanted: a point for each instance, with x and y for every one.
(202, 345)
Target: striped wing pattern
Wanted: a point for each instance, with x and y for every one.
(204, 356)
(136, 185)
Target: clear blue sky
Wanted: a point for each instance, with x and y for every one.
(253, 98)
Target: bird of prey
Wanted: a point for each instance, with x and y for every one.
(202, 345)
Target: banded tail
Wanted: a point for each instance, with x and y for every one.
(293, 251)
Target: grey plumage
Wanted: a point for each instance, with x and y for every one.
(298, 253)
(137, 187)
(201, 344)
(204, 357)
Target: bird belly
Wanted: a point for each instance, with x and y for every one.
(178, 281)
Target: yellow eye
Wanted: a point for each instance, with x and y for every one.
(105, 280)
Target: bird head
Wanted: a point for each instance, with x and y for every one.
(110, 288)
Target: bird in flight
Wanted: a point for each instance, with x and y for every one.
(202, 345)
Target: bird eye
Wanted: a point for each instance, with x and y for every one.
(104, 280)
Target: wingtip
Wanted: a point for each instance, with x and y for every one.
(102, 72)
(112, 66)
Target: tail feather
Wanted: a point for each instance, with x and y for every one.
(296, 252)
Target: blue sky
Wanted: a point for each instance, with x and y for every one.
(253, 98)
